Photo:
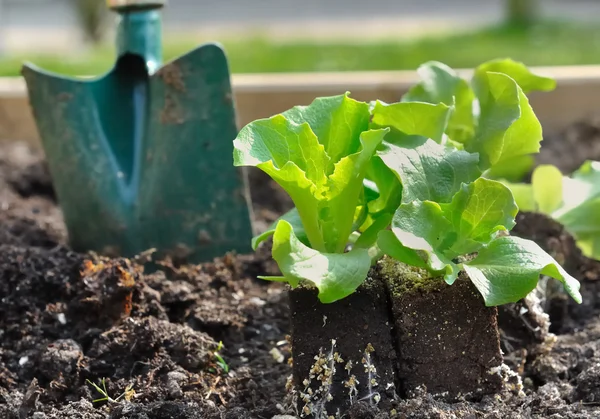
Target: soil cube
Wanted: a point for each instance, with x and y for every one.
(342, 352)
(447, 340)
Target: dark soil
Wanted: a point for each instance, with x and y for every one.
(565, 315)
(568, 150)
(66, 318)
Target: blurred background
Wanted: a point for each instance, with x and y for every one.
(75, 36)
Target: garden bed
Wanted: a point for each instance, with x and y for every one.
(66, 318)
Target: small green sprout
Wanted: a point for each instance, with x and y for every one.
(127, 394)
(219, 359)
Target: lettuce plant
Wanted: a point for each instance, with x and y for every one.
(573, 200)
(410, 180)
(492, 115)
(451, 218)
(319, 154)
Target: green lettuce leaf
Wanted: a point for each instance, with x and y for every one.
(418, 237)
(429, 171)
(491, 115)
(523, 194)
(440, 84)
(580, 209)
(337, 122)
(519, 73)
(513, 170)
(507, 126)
(336, 275)
(477, 212)
(405, 120)
(319, 154)
(543, 194)
(427, 234)
(387, 188)
(291, 217)
(546, 187)
(508, 269)
(411, 118)
(574, 201)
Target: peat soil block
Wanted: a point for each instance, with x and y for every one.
(343, 352)
(66, 318)
(447, 339)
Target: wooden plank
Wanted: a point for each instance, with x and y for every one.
(576, 98)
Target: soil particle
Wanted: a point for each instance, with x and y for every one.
(587, 383)
(158, 411)
(570, 355)
(63, 356)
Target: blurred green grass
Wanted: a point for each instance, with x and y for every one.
(545, 43)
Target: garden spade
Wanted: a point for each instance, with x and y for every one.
(141, 157)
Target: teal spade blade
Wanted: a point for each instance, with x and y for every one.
(141, 157)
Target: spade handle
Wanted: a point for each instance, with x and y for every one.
(139, 29)
(135, 4)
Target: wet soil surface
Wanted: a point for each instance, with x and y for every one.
(66, 318)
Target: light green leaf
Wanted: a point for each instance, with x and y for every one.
(275, 146)
(282, 142)
(369, 237)
(319, 155)
(546, 183)
(429, 171)
(523, 195)
(589, 243)
(440, 84)
(343, 188)
(291, 217)
(412, 118)
(389, 188)
(519, 73)
(544, 194)
(336, 275)
(513, 170)
(477, 212)
(337, 121)
(437, 234)
(573, 201)
(509, 268)
(580, 209)
(389, 243)
(507, 127)
(419, 236)
(581, 200)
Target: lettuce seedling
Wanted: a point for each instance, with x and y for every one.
(573, 200)
(352, 169)
(492, 115)
(319, 154)
(488, 119)
(450, 217)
